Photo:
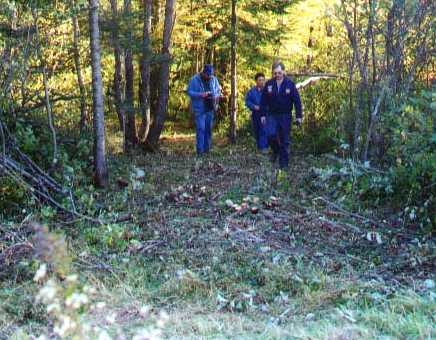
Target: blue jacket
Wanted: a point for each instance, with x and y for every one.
(252, 98)
(196, 87)
(280, 102)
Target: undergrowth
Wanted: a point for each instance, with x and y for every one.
(229, 248)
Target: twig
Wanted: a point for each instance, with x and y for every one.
(321, 216)
(360, 217)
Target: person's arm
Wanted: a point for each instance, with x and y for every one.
(297, 103)
(194, 91)
(264, 101)
(249, 100)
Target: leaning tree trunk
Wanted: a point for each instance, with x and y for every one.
(144, 91)
(76, 54)
(233, 95)
(101, 172)
(164, 75)
(129, 72)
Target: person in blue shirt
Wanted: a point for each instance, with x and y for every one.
(204, 91)
(252, 101)
(279, 97)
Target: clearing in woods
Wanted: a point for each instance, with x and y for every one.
(231, 248)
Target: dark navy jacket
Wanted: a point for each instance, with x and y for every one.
(275, 102)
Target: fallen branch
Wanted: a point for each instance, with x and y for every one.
(351, 214)
(362, 167)
(338, 224)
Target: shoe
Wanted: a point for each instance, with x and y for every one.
(263, 151)
(274, 157)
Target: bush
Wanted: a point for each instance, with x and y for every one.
(409, 184)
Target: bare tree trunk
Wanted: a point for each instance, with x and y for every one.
(101, 171)
(144, 91)
(119, 104)
(233, 95)
(129, 72)
(164, 76)
(76, 53)
(46, 89)
(373, 120)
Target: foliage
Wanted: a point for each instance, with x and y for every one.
(229, 245)
(408, 184)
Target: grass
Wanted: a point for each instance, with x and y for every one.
(293, 270)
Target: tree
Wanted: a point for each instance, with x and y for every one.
(118, 95)
(100, 166)
(164, 75)
(129, 77)
(390, 42)
(144, 91)
(46, 88)
(233, 95)
(78, 67)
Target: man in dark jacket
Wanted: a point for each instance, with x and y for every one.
(279, 96)
(252, 101)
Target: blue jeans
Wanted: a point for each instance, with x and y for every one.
(259, 131)
(203, 125)
(278, 130)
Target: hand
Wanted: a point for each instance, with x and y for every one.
(299, 121)
(263, 120)
(256, 108)
(204, 94)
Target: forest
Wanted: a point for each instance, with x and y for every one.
(114, 226)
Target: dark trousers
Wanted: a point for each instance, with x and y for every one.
(278, 131)
(259, 131)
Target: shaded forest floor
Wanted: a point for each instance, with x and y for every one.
(230, 247)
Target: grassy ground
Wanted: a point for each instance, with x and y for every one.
(231, 248)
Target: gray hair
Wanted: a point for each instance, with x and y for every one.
(278, 64)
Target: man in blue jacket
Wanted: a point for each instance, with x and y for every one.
(204, 91)
(279, 96)
(252, 101)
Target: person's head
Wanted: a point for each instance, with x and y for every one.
(207, 72)
(278, 70)
(260, 79)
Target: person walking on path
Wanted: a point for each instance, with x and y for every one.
(204, 91)
(252, 101)
(279, 97)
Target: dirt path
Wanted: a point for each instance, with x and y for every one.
(235, 199)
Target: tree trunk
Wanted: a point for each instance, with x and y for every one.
(46, 89)
(144, 92)
(157, 14)
(164, 75)
(100, 166)
(129, 72)
(233, 95)
(76, 54)
(373, 120)
(119, 104)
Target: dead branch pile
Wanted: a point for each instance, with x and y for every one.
(22, 170)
